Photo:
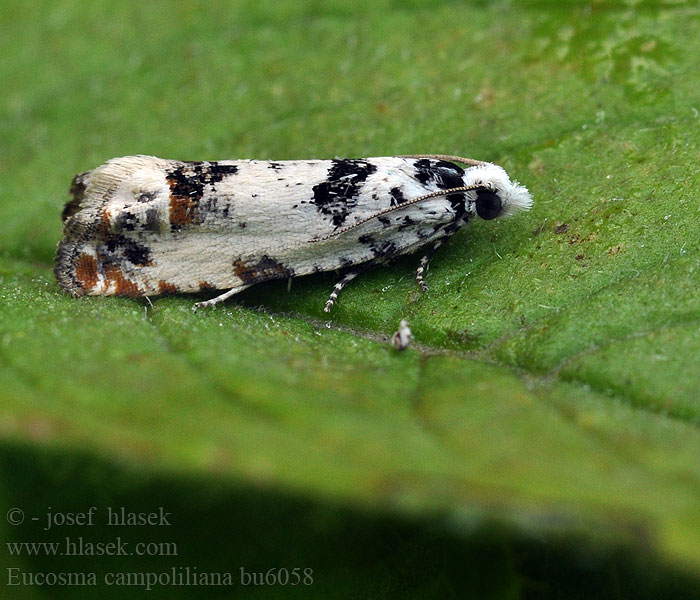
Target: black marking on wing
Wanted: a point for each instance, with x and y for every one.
(397, 196)
(117, 249)
(187, 182)
(380, 250)
(189, 178)
(406, 223)
(77, 190)
(337, 196)
(386, 250)
(113, 248)
(153, 221)
(146, 196)
(126, 221)
(136, 253)
(445, 175)
(260, 269)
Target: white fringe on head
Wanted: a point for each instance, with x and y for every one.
(515, 197)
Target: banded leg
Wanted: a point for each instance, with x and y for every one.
(221, 297)
(424, 262)
(461, 218)
(339, 286)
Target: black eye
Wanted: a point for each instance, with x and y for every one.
(488, 204)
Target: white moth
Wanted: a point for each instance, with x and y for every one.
(143, 226)
(403, 337)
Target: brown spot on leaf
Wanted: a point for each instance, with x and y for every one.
(122, 285)
(561, 228)
(166, 288)
(86, 271)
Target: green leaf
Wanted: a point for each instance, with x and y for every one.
(541, 436)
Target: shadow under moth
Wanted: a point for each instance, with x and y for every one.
(144, 226)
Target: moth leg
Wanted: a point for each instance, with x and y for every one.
(339, 286)
(424, 262)
(220, 298)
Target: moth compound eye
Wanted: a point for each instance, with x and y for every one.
(488, 204)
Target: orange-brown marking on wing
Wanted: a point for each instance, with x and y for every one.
(166, 288)
(264, 268)
(243, 271)
(122, 285)
(104, 226)
(182, 210)
(86, 271)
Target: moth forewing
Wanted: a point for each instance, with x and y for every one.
(142, 226)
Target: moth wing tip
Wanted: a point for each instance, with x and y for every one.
(64, 272)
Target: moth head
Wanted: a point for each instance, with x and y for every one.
(495, 194)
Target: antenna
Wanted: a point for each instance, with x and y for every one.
(449, 158)
(398, 207)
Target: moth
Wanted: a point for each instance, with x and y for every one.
(144, 226)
